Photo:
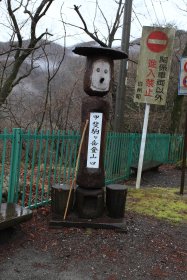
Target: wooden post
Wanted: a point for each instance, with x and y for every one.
(184, 159)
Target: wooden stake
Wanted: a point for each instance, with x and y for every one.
(76, 168)
(184, 159)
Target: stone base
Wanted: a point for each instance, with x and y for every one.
(103, 222)
(12, 214)
(89, 202)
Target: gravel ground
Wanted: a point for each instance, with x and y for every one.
(166, 176)
(151, 248)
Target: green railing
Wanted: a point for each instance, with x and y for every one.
(31, 162)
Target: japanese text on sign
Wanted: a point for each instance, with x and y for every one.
(154, 65)
(94, 140)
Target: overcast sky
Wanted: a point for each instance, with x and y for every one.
(145, 13)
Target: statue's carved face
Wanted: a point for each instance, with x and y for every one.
(101, 76)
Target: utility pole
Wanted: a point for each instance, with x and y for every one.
(121, 88)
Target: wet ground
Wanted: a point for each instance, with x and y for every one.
(150, 249)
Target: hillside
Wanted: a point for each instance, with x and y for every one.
(60, 98)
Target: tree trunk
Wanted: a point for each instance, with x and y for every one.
(179, 109)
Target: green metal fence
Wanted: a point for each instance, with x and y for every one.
(31, 162)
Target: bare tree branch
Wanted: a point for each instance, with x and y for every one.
(94, 37)
(104, 40)
(50, 77)
(21, 51)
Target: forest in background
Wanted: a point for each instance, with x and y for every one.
(42, 100)
(41, 82)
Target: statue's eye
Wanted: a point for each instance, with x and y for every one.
(106, 71)
(98, 69)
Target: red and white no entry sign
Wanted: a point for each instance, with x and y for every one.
(157, 41)
(185, 66)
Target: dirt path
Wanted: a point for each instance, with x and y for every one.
(151, 249)
(166, 176)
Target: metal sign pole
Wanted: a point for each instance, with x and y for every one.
(142, 147)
